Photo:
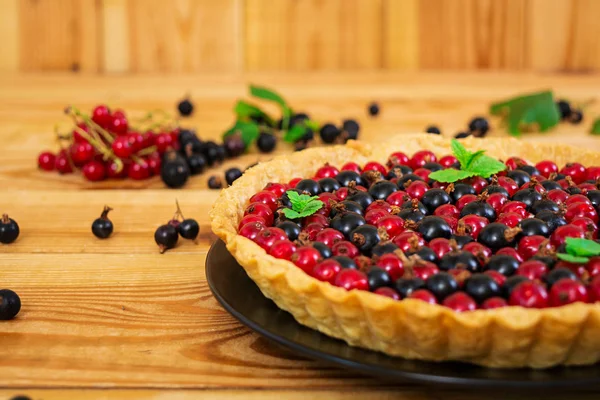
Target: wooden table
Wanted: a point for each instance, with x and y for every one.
(116, 319)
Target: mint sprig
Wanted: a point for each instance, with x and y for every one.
(303, 205)
(267, 94)
(471, 164)
(579, 251)
(530, 112)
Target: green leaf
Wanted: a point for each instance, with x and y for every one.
(460, 152)
(291, 214)
(248, 131)
(536, 111)
(572, 259)
(472, 158)
(295, 133)
(245, 110)
(485, 166)
(267, 94)
(582, 247)
(595, 127)
(312, 207)
(312, 125)
(450, 175)
(303, 205)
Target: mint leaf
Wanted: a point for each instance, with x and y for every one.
(245, 110)
(295, 133)
(303, 205)
(294, 197)
(582, 247)
(450, 175)
(595, 127)
(572, 259)
(313, 125)
(267, 94)
(291, 214)
(248, 131)
(312, 207)
(472, 158)
(536, 111)
(460, 152)
(485, 166)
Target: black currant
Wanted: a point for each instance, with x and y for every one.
(345, 177)
(459, 259)
(298, 118)
(544, 205)
(103, 227)
(373, 109)
(461, 239)
(434, 198)
(594, 196)
(362, 198)
(365, 237)
(377, 278)
(441, 285)
(497, 235)
(406, 286)
(527, 196)
(196, 163)
(266, 142)
(426, 254)
(329, 133)
(9, 230)
(479, 126)
(481, 208)
(432, 227)
(481, 287)
(433, 166)
(214, 182)
(346, 206)
(549, 260)
(398, 171)
(329, 185)
(350, 129)
(530, 169)
(382, 189)
(166, 237)
(384, 248)
(189, 229)
(550, 185)
(519, 176)
(534, 226)
(345, 262)
(573, 190)
(234, 145)
(232, 174)
(576, 117)
(186, 136)
(553, 220)
(564, 108)
(185, 108)
(174, 171)
(407, 177)
(322, 248)
(346, 223)
(461, 189)
(10, 304)
(213, 152)
(511, 283)
(411, 214)
(433, 129)
(490, 189)
(310, 186)
(557, 274)
(503, 263)
(291, 229)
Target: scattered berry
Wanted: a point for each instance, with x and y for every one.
(9, 230)
(185, 108)
(103, 227)
(10, 304)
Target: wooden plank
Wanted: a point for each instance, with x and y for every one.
(9, 35)
(401, 34)
(584, 37)
(184, 36)
(58, 35)
(115, 36)
(313, 34)
(548, 38)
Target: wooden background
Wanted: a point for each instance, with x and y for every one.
(188, 36)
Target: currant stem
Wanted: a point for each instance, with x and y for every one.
(90, 122)
(179, 209)
(147, 151)
(5, 219)
(105, 212)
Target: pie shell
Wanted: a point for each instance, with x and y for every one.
(507, 337)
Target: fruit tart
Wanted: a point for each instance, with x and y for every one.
(479, 250)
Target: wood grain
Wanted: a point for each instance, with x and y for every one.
(117, 315)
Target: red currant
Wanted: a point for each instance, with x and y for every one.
(581, 210)
(392, 265)
(136, 140)
(326, 171)
(278, 189)
(249, 219)
(447, 161)
(516, 207)
(558, 196)
(509, 184)
(423, 295)
(265, 197)
(510, 219)
(312, 230)
(562, 232)
(497, 200)
(392, 224)
(478, 183)
(122, 147)
(477, 249)
(344, 248)
(118, 123)
(397, 158)
(262, 210)
(576, 171)
(404, 240)
(592, 174)
(351, 279)
(588, 226)
(154, 163)
(494, 302)
(329, 236)
(593, 266)
(46, 161)
(449, 210)
(529, 245)
(464, 200)
(422, 173)
(94, 171)
(440, 246)
(510, 251)
(398, 198)
(387, 292)
(460, 302)
(529, 294)
(532, 269)
(77, 138)
(101, 116)
(417, 189)
(374, 166)
(515, 162)
(546, 168)
(294, 182)
(474, 224)
(164, 142)
(283, 249)
(351, 166)
(567, 291)
(496, 276)
(594, 290)
(113, 171)
(425, 270)
(577, 198)
(268, 236)
(421, 158)
(373, 216)
(326, 270)
(251, 230)
(62, 164)
(82, 153)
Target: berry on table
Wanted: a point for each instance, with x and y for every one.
(9, 230)
(232, 174)
(46, 161)
(373, 109)
(266, 142)
(166, 237)
(10, 304)
(214, 182)
(564, 108)
(329, 133)
(189, 229)
(576, 117)
(350, 129)
(103, 227)
(185, 108)
(433, 129)
(94, 171)
(174, 171)
(234, 145)
(479, 126)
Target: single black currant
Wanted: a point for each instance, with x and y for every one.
(266, 142)
(459, 259)
(398, 171)
(298, 119)
(458, 190)
(382, 189)
(573, 190)
(103, 227)
(365, 237)
(214, 182)
(527, 196)
(433, 129)
(346, 223)
(310, 186)
(345, 262)
(497, 235)
(594, 196)
(232, 174)
(350, 129)
(434, 198)
(362, 198)
(479, 126)
(407, 177)
(383, 248)
(10, 304)
(346, 206)
(557, 274)
(564, 108)
(461, 239)
(519, 176)
(185, 108)
(291, 229)
(186, 136)
(166, 237)
(481, 287)
(481, 208)
(553, 220)
(9, 229)
(441, 285)
(425, 253)
(234, 145)
(322, 248)
(503, 263)
(174, 171)
(549, 260)
(196, 163)
(212, 152)
(530, 169)
(432, 227)
(433, 166)
(411, 214)
(329, 185)
(329, 133)
(534, 226)
(406, 286)
(550, 184)
(576, 117)
(491, 189)
(373, 109)
(544, 205)
(377, 278)
(189, 229)
(345, 177)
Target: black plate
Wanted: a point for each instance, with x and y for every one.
(241, 297)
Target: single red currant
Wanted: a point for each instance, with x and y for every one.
(62, 163)
(326, 270)
(447, 161)
(546, 168)
(351, 279)
(529, 294)
(460, 302)
(558, 196)
(46, 161)
(532, 269)
(267, 198)
(374, 166)
(251, 218)
(326, 171)
(251, 230)
(496, 276)
(283, 249)
(278, 189)
(122, 147)
(397, 158)
(392, 265)
(449, 210)
(82, 153)
(94, 171)
(329, 236)
(494, 302)
(567, 291)
(510, 219)
(575, 170)
(268, 236)
(262, 210)
(344, 248)
(351, 166)
(562, 232)
(510, 251)
(529, 245)
(387, 292)
(101, 116)
(392, 224)
(423, 295)
(593, 266)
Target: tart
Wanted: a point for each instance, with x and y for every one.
(461, 291)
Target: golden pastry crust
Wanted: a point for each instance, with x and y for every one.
(507, 337)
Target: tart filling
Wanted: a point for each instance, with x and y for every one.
(377, 252)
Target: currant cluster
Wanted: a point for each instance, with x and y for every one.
(472, 244)
(349, 130)
(166, 236)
